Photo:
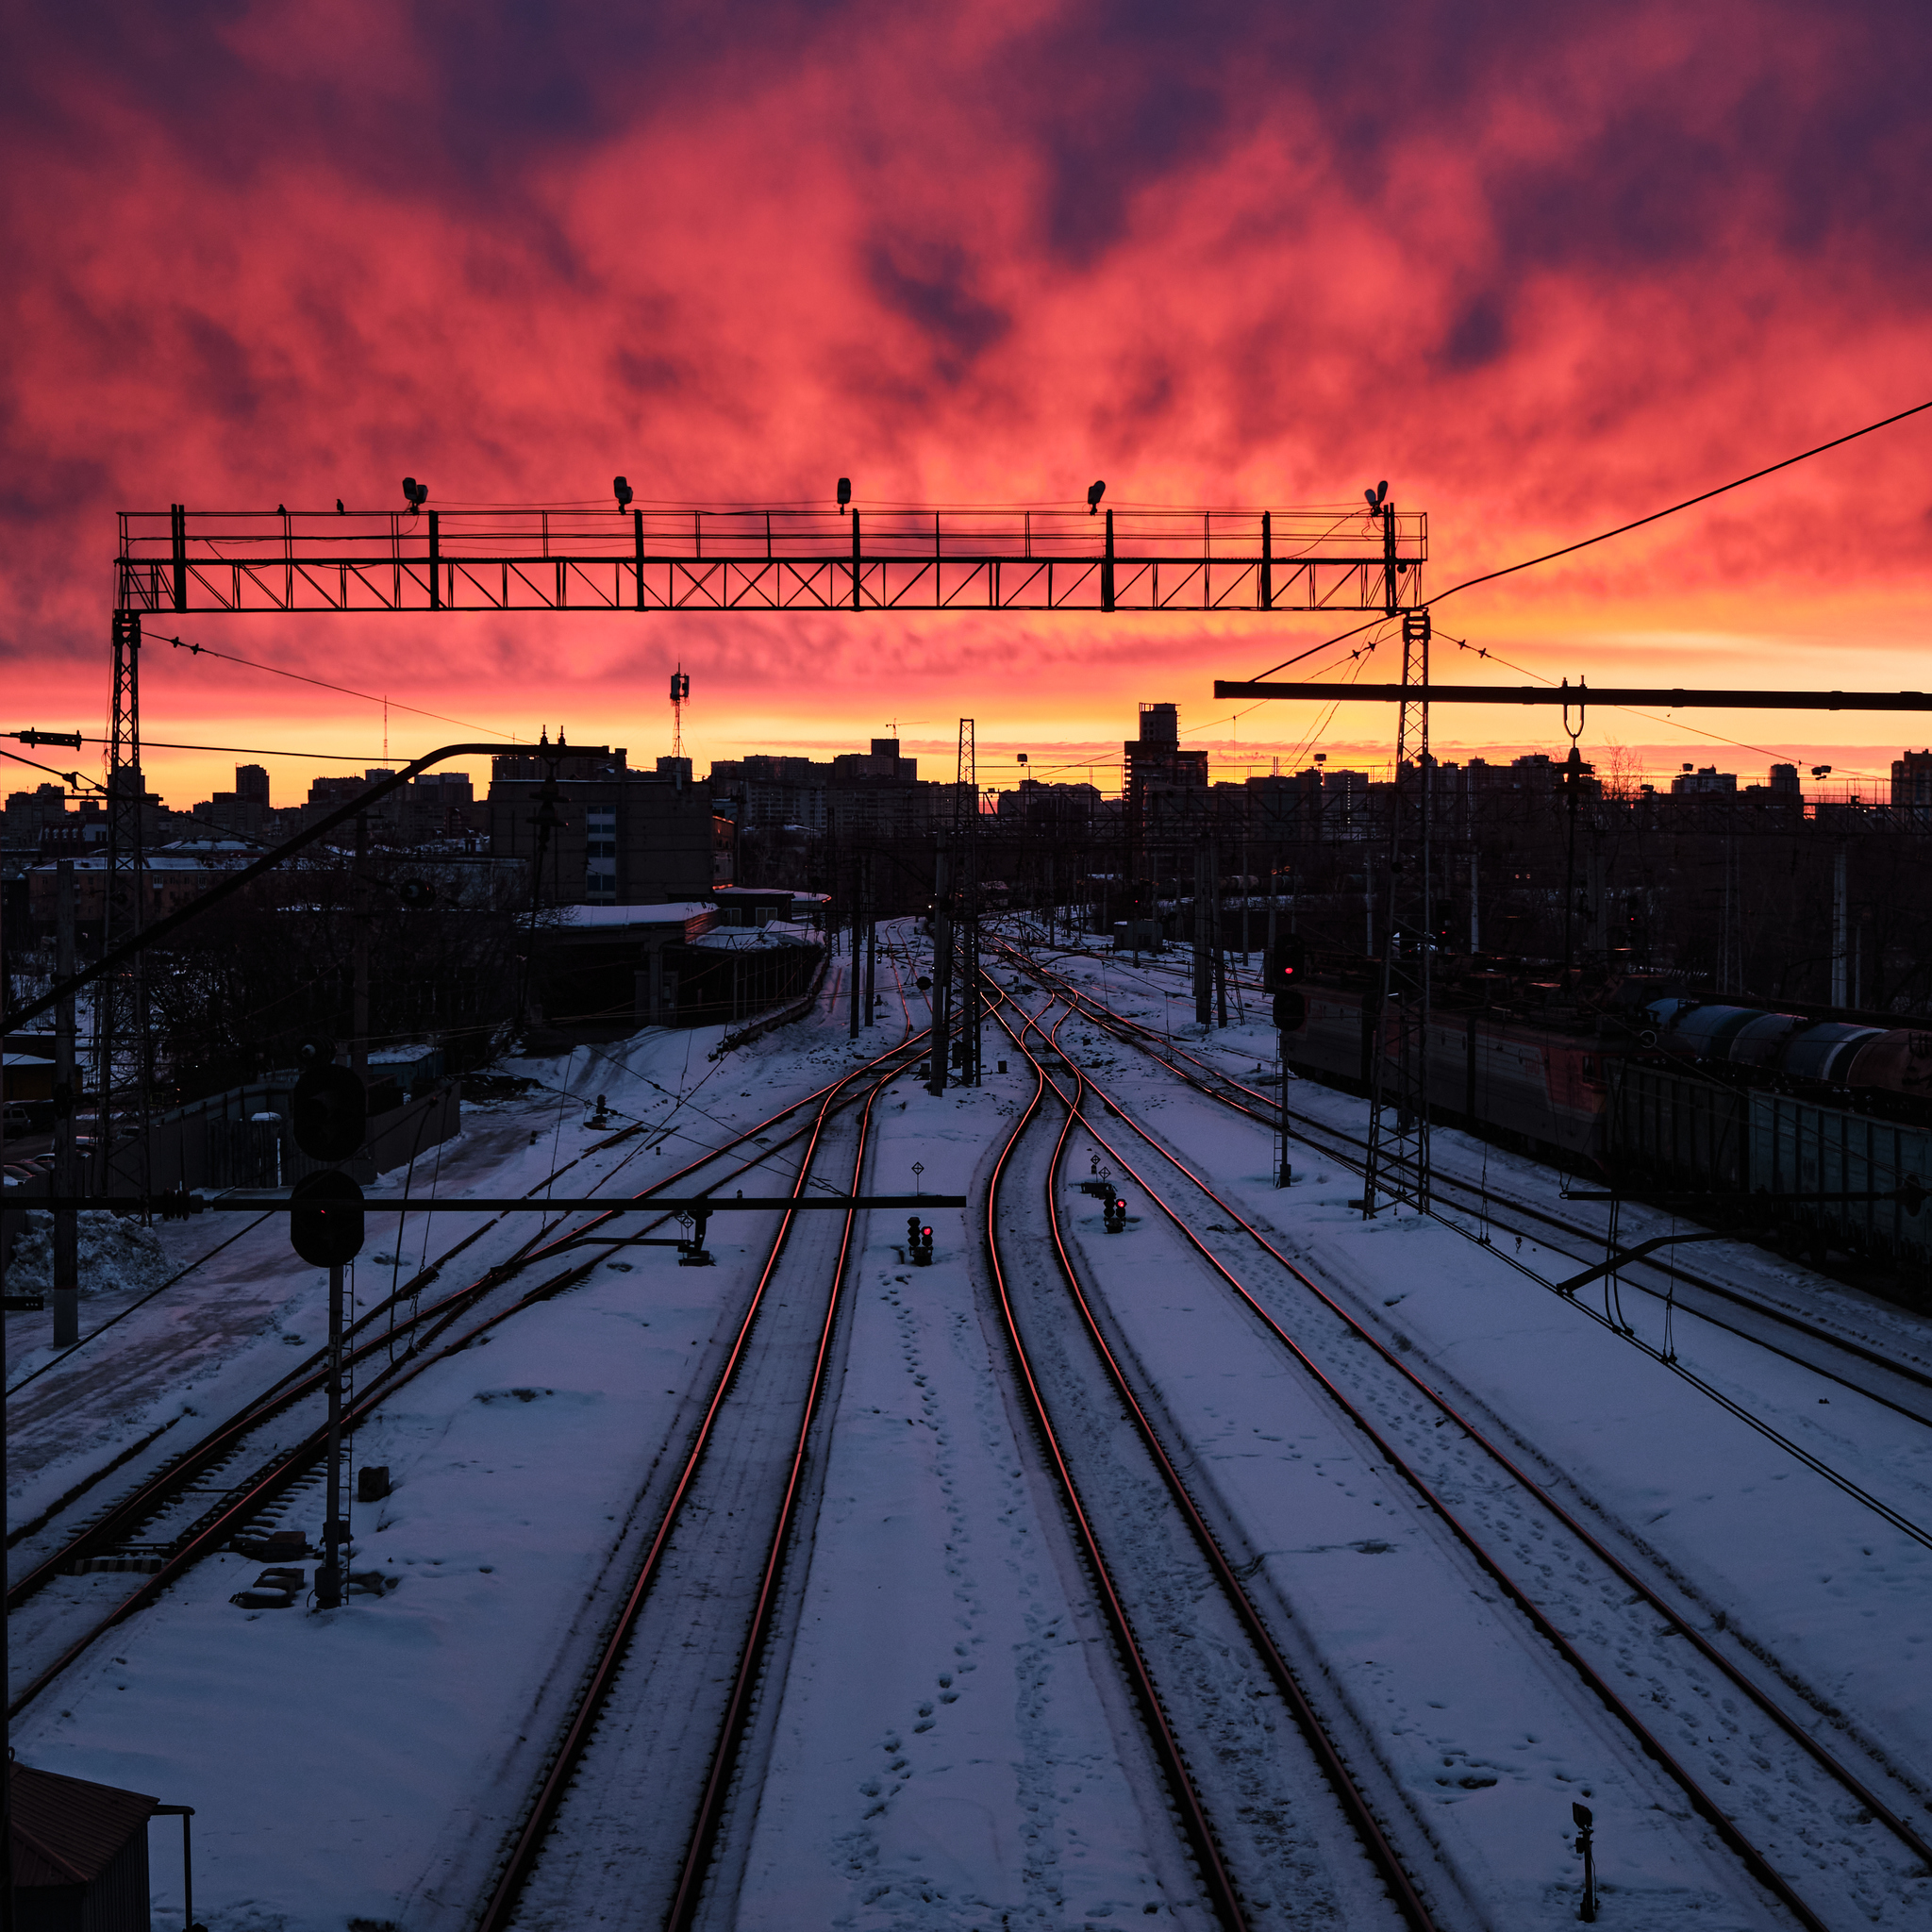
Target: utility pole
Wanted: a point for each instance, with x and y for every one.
(358, 941)
(853, 988)
(120, 1003)
(1217, 934)
(1397, 1165)
(1204, 968)
(1475, 924)
(872, 946)
(941, 970)
(335, 1532)
(1839, 950)
(66, 1276)
(966, 829)
(1572, 785)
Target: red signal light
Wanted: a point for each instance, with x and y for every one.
(1285, 959)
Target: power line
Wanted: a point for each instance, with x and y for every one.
(253, 751)
(1621, 529)
(1630, 711)
(320, 683)
(73, 778)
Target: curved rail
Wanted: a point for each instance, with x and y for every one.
(1218, 1881)
(1664, 1358)
(1221, 1085)
(1353, 1800)
(1847, 1780)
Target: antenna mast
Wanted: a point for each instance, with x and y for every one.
(680, 690)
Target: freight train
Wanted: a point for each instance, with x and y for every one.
(1654, 1090)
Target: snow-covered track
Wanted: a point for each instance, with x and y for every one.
(1203, 1783)
(1479, 1210)
(234, 1475)
(1838, 1777)
(666, 1698)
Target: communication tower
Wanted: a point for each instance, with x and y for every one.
(680, 690)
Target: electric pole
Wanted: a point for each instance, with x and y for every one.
(1397, 1166)
(872, 946)
(66, 1272)
(942, 968)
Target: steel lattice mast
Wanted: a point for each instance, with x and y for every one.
(966, 839)
(1397, 1166)
(120, 999)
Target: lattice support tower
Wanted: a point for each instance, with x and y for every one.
(966, 842)
(1397, 1168)
(121, 999)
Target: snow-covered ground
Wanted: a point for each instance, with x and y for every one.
(941, 1738)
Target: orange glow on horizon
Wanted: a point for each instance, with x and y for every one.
(1584, 269)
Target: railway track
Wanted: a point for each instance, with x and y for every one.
(233, 1481)
(1210, 1725)
(1345, 1348)
(663, 1703)
(1901, 1387)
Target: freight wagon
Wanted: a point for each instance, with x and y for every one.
(1533, 1087)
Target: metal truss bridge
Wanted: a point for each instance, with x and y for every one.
(738, 559)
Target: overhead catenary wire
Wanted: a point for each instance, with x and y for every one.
(320, 683)
(1621, 529)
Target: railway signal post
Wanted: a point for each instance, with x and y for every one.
(329, 1116)
(1585, 1843)
(1287, 962)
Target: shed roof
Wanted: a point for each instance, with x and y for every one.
(66, 1830)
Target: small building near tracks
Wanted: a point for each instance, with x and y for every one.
(604, 970)
(79, 1853)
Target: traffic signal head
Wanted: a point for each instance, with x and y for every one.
(329, 1112)
(1287, 962)
(326, 1220)
(416, 892)
(1291, 1010)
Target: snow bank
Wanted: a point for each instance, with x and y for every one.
(116, 1252)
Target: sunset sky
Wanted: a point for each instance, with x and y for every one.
(1545, 269)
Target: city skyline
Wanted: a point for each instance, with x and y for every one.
(1581, 272)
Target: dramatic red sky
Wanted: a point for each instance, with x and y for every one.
(1545, 269)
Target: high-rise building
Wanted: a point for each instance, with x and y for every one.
(1912, 783)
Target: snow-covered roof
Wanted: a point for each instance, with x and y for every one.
(749, 939)
(617, 918)
(195, 858)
